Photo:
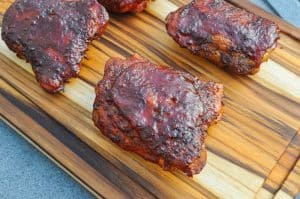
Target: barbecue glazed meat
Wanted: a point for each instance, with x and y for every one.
(52, 35)
(226, 35)
(122, 6)
(157, 112)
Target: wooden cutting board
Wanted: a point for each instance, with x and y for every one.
(252, 152)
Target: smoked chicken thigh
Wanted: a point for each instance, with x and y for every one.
(158, 112)
(228, 36)
(52, 35)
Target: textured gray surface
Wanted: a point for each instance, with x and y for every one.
(27, 173)
(289, 10)
(263, 4)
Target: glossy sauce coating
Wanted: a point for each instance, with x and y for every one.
(122, 6)
(157, 112)
(224, 34)
(52, 35)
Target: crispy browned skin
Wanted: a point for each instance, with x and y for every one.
(122, 6)
(224, 34)
(52, 35)
(157, 112)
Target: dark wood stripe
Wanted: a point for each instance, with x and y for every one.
(106, 40)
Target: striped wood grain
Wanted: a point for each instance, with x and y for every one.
(65, 149)
(291, 185)
(281, 171)
(261, 112)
